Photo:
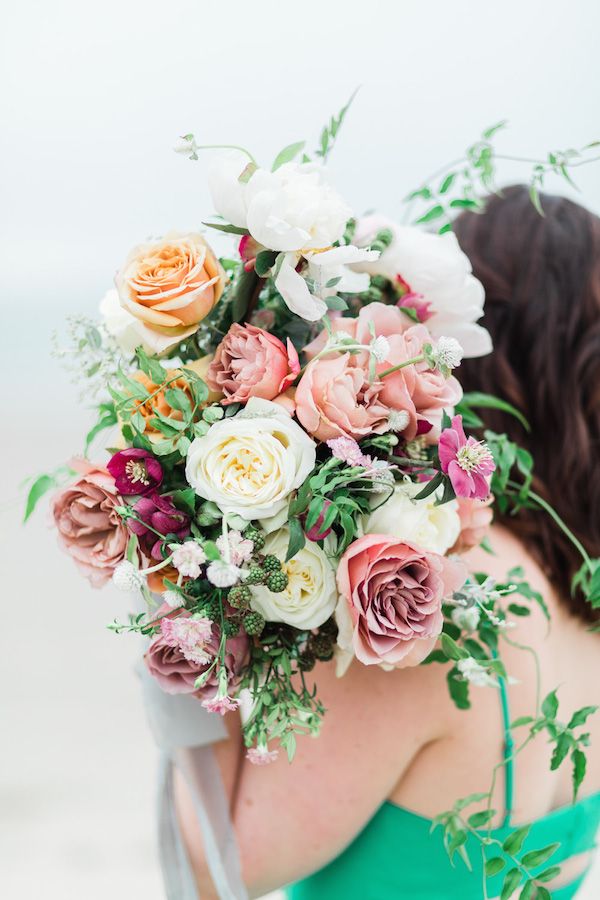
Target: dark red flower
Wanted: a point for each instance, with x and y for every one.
(158, 513)
(135, 471)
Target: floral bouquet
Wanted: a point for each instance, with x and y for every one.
(291, 479)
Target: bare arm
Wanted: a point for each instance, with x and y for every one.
(291, 820)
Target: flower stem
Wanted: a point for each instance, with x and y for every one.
(402, 365)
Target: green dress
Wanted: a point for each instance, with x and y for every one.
(396, 856)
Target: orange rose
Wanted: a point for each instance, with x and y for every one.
(169, 286)
(158, 403)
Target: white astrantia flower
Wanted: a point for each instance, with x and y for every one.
(398, 420)
(311, 593)
(466, 618)
(448, 352)
(173, 599)
(475, 673)
(249, 464)
(380, 348)
(434, 266)
(126, 577)
(420, 522)
(223, 574)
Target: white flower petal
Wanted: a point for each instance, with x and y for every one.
(294, 290)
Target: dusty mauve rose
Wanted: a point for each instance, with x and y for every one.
(176, 674)
(250, 362)
(169, 286)
(391, 593)
(336, 399)
(475, 520)
(89, 528)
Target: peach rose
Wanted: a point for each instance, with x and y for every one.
(335, 399)
(387, 320)
(390, 609)
(475, 520)
(169, 286)
(89, 527)
(250, 362)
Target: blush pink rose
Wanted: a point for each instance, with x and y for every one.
(89, 527)
(387, 320)
(393, 593)
(475, 520)
(176, 667)
(250, 362)
(334, 398)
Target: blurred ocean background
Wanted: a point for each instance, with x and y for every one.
(92, 99)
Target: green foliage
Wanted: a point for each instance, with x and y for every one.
(479, 400)
(330, 131)
(107, 417)
(42, 484)
(288, 154)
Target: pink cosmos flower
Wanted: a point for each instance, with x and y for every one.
(261, 756)
(468, 462)
(250, 362)
(221, 705)
(390, 609)
(135, 471)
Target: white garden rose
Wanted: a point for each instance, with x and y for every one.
(434, 266)
(311, 594)
(420, 522)
(120, 324)
(250, 463)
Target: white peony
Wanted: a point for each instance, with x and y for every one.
(432, 265)
(420, 522)
(250, 463)
(311, 594)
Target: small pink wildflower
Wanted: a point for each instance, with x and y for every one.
(348, 450)
(261, 756)
(190, 635)
(188, 558)
(222, 705)
(468, 462)
(240, 548)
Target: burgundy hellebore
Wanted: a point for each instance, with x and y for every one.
(158, 513)
(135, 471)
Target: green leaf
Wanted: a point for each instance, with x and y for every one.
(548, 874)
(494, 865)
(150, 367)
(480, 400)
(40, 486)
(542, 893)
(297, 538)
(451, 648)
(106, 420)
(561, 749)
(288, 154)
(528, 890)
(522, 720)
(434, 213)
(579, 761)
(211, 550)
(447, 183)
(185, 500)
(459, 689)
(512, 880)
(464, 203)
(479, 819)
(336, 303)
(580, 717)
(550, 705)
(536, 858)
(491, 131)
(228, 229)
(265, 260)
(515, 840)
(179, 400)
(534, 196)
(470, 799)
(431, 486)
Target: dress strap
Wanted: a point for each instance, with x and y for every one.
(509, 746)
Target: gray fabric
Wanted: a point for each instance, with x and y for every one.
(184, 732)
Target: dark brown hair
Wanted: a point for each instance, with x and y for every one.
(542, 282)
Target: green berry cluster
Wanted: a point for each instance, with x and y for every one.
(240, 596)
(257, 537)
(277, 581)
(253, 623)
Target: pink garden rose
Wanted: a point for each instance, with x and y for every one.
(250, 362)
(387, 320)
(466, 461)
(392, 593)
(475, 520)
(176, 661)
(89, 527)
(335, 399)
